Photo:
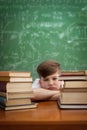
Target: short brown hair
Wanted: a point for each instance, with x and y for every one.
(48, 67)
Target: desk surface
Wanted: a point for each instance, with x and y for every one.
(47, 113)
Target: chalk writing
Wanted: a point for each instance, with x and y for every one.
(36, 30)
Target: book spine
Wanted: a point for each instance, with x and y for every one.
(2, 100)
(3, 86)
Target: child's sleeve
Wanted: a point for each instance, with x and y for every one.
(61, 83)
(36, 84)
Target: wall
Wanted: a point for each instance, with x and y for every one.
(35, 30)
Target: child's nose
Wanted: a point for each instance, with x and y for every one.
(50, 82)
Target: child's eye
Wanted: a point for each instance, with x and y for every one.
(55, 78)
(45, 79)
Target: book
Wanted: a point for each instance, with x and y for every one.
(74, 97)
(76, 77)
(19, 107)
(74, 73)
(74, 89)
(15, 86)
(15, 74)
(16, 79)
(71, 106)
(16, 95)
(13, 102)
(75, 84)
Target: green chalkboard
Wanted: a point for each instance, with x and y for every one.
(35, 30)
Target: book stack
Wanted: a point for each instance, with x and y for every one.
(74, 93)
(16, 90)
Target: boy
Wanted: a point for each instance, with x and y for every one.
(48, 86)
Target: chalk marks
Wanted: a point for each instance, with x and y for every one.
(36, 30)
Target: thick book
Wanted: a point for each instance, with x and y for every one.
(15, 74)
(16, 79)
(71, 106)
(75, 84)
(73, 97)
(13, 102)
(17, 95)
(74, 73)
(72, 77)
(15, 87)
(19, 107)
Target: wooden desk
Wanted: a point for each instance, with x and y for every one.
(46, 116)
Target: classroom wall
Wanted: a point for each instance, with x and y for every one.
(35, 30)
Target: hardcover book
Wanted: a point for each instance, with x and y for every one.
(13, 102)
(75, 84)
(15, 87)
(19, 107)
(17, 95)
(72, 77)
(14, 74)
(74, 73)
(73, 97)
(71, 106)
(16, 79)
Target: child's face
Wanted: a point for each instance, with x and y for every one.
(50, 82)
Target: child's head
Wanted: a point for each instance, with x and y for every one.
(49, 72)
(48, 67)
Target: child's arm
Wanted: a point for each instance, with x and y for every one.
(44, 94)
